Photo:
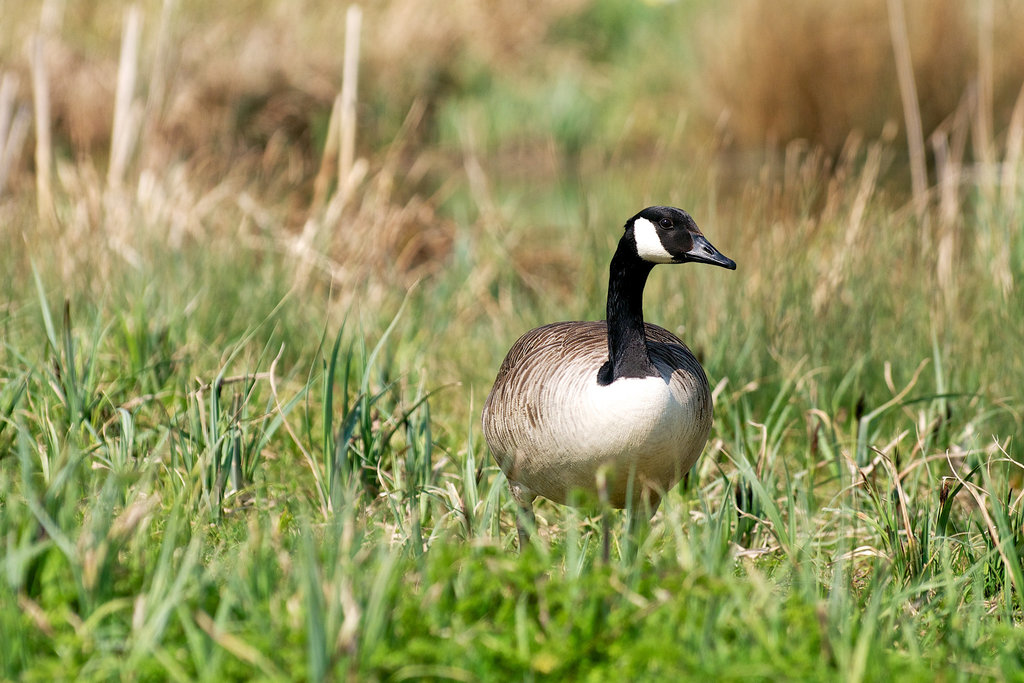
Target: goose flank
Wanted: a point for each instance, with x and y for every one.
(616, 410)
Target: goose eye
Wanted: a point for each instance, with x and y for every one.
(665, 223)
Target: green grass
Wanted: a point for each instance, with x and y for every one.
(178, 500)
(220, 459)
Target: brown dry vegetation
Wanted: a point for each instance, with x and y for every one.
(249, 92)
(798, 69)
(234, 109)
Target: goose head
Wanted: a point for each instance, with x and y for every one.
(664, 234)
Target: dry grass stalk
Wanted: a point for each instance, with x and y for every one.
(349, 90)
(865, 192)
(126, 111)
(911, 106)
(949, 145)
(983, 146)
(158, 76)
(8, 92)
(1014, 151)
(49, 22)
(14, 125)
(44, 146)
(339, 147)
(328, 161)
(948, 180)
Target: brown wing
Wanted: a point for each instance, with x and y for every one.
(528, 382)
(545, 348)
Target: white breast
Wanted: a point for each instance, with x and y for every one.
(627, 414)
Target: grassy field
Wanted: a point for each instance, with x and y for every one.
(241, 372)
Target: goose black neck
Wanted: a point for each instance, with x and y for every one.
(627, 341)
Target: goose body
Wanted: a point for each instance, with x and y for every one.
(644, 431)
(617, 410)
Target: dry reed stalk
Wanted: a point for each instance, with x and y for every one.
(983, 147)
(948, 169)
(14, 126)
(1010, 193)
(349, 89)
(328, 161)
(8, 90)
(949, 145)
(157, 79)
(339, 147)
(1012, 159)
(126, 113)
(865, 191)
(44, 145)
(947, 172)
(911, 106)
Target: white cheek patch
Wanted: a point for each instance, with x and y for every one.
(648, 244)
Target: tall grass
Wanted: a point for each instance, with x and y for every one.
(240, 388)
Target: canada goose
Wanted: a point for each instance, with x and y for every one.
(620, 410)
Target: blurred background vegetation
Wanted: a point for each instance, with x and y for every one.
(179, 188)
(489, 129)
